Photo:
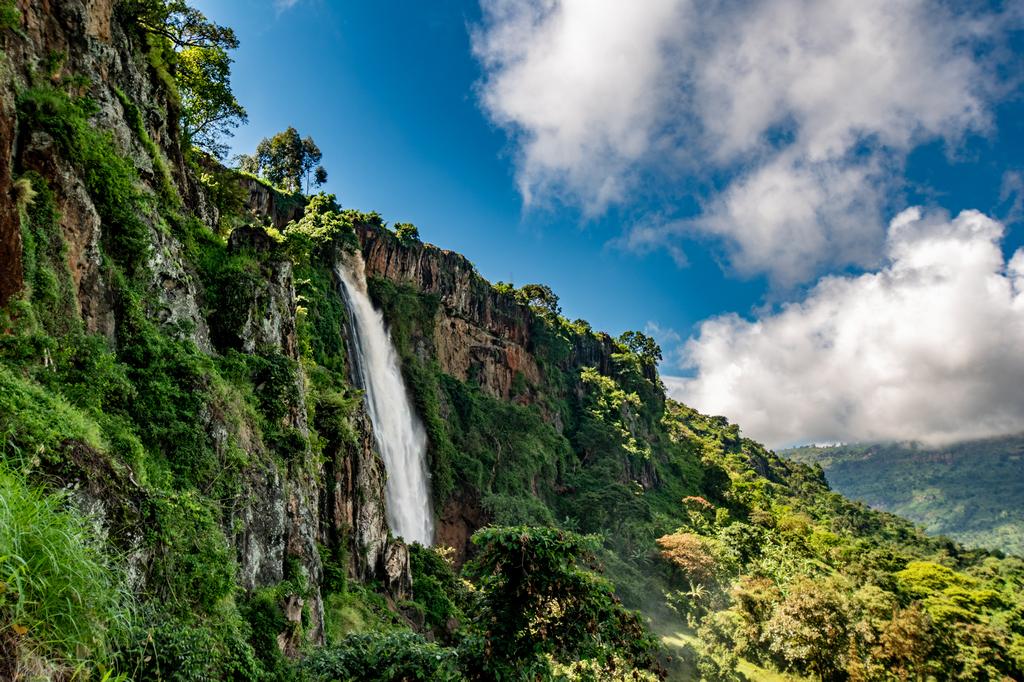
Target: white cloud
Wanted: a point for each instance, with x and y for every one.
(925, 348)
(800, 102)
(837, 71)
(581, 84)
(282, 5)
(794, 217)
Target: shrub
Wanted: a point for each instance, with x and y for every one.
(690, 554)
(44, 256)
(810, 629)
(182, 648)
(398, 655)
(435, 586)
(10, 17)
(537, 600)
(717, 659)
(193, 568)
(36, 422)
(323, 224)
(165, 184)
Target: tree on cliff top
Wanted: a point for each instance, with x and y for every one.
(209, 110)
(642, 345)
(407, 233)
(285, 160)
(541, 298)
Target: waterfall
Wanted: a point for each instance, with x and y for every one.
(397, 429)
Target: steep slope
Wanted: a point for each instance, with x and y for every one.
(972, 492)
(152, 365)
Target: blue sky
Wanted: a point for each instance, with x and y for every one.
(655, 178)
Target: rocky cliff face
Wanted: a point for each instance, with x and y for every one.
(479, 331)
(283, 512)
(270, 205)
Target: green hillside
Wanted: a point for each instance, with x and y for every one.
(190, 486)
(972, 492)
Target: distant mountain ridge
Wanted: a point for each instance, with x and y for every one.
(972, 492)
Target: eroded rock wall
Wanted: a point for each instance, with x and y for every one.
(479, 332)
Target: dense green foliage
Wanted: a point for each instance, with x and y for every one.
(392, 655)
(209, 109)
(972, 492)
(407, 233)
(10, 17)
(788, 574)
(323, 227)
(537, 604)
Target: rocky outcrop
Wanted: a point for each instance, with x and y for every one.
(467, 351)
(268, 315)
(353, 511)
(270, 205)
(479, 333)
(462, 291)
(461, 517)
(175, 291)
(80, 226)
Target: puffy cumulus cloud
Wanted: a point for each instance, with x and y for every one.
(798, 102)
(583, 86)
(834, 72)
(925, 348)
(795, 217)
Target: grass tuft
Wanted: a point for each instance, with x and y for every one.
(59, 596)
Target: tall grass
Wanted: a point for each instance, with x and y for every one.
(60, 598)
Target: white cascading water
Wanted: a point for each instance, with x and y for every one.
(397, 429)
